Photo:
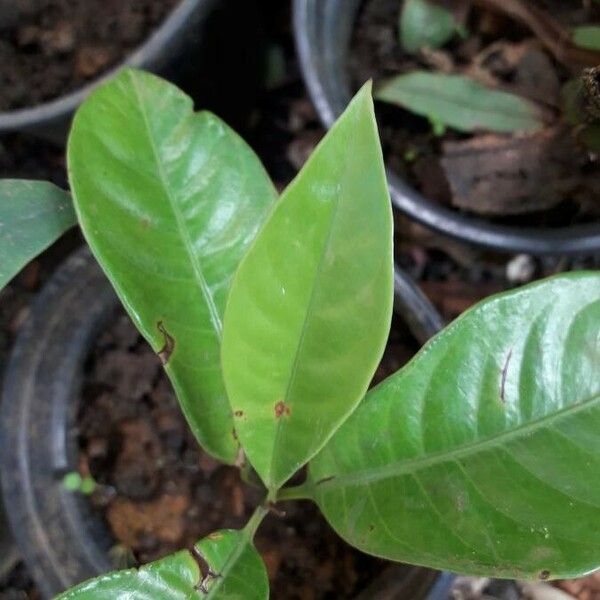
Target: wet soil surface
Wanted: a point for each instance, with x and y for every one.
(539, 179)
(51, 47)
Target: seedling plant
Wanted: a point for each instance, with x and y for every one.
(271, 315)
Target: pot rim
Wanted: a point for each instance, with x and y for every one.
(143, 56)
(313, 23)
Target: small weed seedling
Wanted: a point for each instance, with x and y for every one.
(468, 99)
(271, 314)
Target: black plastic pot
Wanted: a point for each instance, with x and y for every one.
(60, 539)
(8, 550)
(192, 48)
(323, 31)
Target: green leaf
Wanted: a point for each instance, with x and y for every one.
(236, 572)
(587, 36)
(310, 306)
(236, 569)
(33, 215)
(172, 578)
(460, 102)
(424, 24)
(482, 455)
(590, 136)
(169, 201)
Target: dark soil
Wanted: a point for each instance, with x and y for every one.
(158, 492)
(52, 47)
(500, 53)
(18, 585)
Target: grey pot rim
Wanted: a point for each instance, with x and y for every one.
(144, 55)
(315, 48)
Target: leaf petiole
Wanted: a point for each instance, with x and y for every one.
(298, 492)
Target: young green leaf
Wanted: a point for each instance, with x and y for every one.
(424, 24)
(587, 36)
(460, 102)
(235, 571)
(482, 455)
(175, 577)
(310, 306)
(169, 201)
(33, 215)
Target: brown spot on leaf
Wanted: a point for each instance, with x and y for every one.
(325, 479)
(216, 536)
(545, 575)
(238, 413)
(281, 408)
(165, 352)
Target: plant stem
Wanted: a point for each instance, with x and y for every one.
(299, 492)
(255, 520)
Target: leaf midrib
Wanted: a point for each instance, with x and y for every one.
(405, 467)
(311, 300)
(246, 536)
(196, 267)
(229, 564)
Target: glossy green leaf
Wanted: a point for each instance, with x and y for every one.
(33, 215)
(169, 201)
(482, 455)
(310, 306)
(460, 102)
(175, 577)
(236, 572)
(425, 24)
(587, 36)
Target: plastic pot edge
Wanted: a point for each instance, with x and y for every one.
(322, 30)
(51, 119)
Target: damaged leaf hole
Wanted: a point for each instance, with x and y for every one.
(206, 573)
(544, 575)
(169, 345)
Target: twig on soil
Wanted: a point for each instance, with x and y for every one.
(552, 34)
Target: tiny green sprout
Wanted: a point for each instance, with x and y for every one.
(410, 155)
(438, 127)
(121, 557)
(88, 486)
(73, 482)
